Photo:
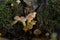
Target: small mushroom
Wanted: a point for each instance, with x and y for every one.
(23, 20)
(47, 34)
(30, 16)
(29, 26)
(37, 32)
(17, 18)
(33, 22)
(34, 14)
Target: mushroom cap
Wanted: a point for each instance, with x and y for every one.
(47, 34)
(29, 26)
(22, 19)
(31, 16)
(34, 14)
(37, 32)
(33, 22)
(17, 18)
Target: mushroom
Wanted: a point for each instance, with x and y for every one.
(17, 18)
(23, 19)
(29, 26)
(33, 22)
(34, 14)
(47, 34)
(37, 32)
(30, 16)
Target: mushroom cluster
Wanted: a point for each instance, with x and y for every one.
(29, 19)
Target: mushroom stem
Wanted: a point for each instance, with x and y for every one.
(25, 29)
(24, 24)
(14, 22)
(28, 22)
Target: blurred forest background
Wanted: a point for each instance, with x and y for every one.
(47, 17)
